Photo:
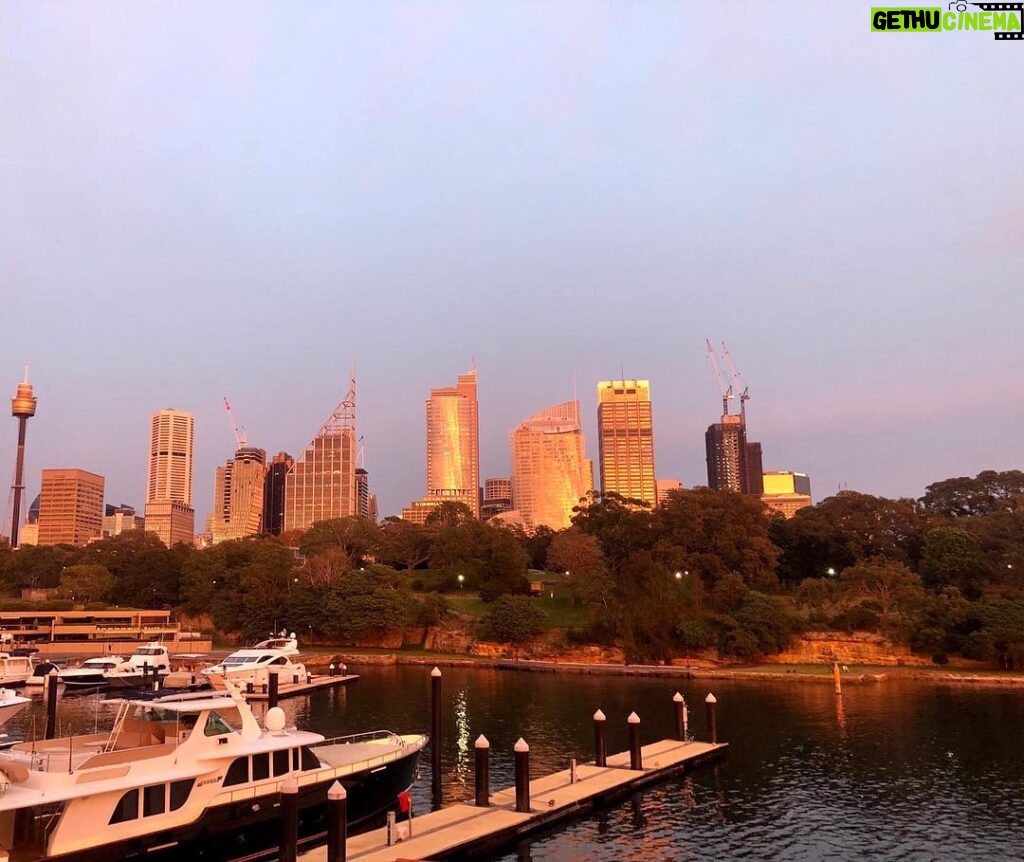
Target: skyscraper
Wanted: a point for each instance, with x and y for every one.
(625, 432)
(453, 445)
(550, 472)
(755, 466)
(363, 492)
(726, 446)
(273, 493)
(169, 511)
(70, 507)
(321, 484)
(238, 496)
(172, 436)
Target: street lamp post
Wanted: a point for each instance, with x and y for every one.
(462, 580)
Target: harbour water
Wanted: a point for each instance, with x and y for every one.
(890, 771)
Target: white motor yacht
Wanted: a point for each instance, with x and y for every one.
(90, 673)
(149, 661)
(247, 667)
(283, 642)
(14, 669)
(188, 775)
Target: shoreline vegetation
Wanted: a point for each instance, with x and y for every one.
(812, 673)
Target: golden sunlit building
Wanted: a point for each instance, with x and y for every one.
(70, 507)
(169, 511)
(550, 471)
(238, 496)
(786, 492)
(453, 449)
(625, 431)
(664, 486)
(321, 484)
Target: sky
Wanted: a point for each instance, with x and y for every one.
(248, 199)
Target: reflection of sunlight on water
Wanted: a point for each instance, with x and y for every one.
(461, 738)
(841, 717)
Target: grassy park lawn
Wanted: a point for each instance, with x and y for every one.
(559, 612)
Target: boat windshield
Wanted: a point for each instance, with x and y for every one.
(217, 724)
(236, 661)
(149, 651)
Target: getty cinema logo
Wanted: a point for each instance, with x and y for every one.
(1003, 20)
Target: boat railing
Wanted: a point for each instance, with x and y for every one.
(366, 736)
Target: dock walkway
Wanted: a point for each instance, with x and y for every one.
(461, 830)
(289, 689)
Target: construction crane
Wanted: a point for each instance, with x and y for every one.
(737, 382)
(725, 390)
(240, 439)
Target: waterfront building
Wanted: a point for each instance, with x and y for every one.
(70, 507)
(321, 484)
(497, 497)
(119, 519)
(625, 431)
(274, 491)
(169, 511)
(786, 492)
(453, 448)
(550, 471)
(238, 496)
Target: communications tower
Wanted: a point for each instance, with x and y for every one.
(23, 408)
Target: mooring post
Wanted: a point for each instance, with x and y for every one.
(600, 740)
(145, 674)
(435, 735)
(330, 669)
(483, 772)
(679, 707)
(522, 756)
(836, 675)
(636, 760)
(51, 704)
(289, 820)
(337, 823)
(272, 682)
(710, 706)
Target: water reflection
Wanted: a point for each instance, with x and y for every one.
(893, 771)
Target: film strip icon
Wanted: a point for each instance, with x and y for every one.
(1017, 36)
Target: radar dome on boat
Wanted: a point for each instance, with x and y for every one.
(275, 720)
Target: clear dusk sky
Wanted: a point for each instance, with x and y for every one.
(200, 199)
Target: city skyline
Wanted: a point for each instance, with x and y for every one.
(576, 188)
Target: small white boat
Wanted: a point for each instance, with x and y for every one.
(11, 704)
(144, 666)
(89, 673)
(14, 669)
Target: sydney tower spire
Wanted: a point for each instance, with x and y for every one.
(23, 408)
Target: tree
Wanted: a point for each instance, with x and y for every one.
(403, 543)
(952, 558)
(513, 619)
(355, 536)
(501, 565)
(889, 584)
(85, 583)
(715, 533)
(327, 567)
(620, 525)
(578, 554)
(989, 491)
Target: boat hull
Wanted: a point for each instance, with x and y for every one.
(251, 829)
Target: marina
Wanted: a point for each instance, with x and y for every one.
(464, 831)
